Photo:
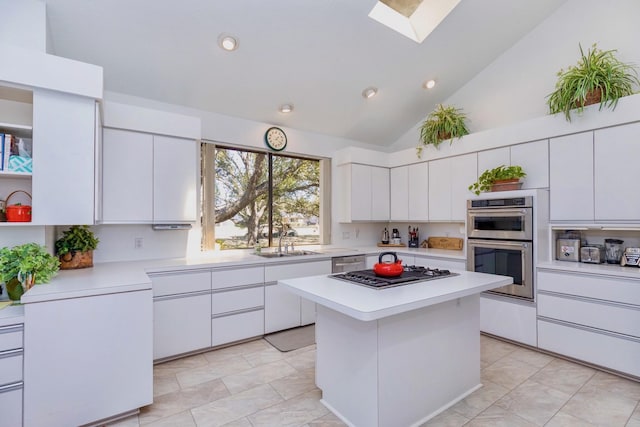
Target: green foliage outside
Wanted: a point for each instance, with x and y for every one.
(595, 69)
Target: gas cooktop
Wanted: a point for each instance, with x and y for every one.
(410, 274)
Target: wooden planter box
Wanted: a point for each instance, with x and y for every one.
(75, 260)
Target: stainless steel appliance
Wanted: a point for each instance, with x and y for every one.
(613, 250)
(568, 250)
(410, 274)
(592, 254)
(500, 241)
(343, 264)
(631, 256)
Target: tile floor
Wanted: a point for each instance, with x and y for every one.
(253, 384)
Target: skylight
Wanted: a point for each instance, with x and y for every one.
(415, 19)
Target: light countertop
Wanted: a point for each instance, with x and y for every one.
(114, 277)
(367, 304)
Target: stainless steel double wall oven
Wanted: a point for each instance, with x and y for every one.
(500, 241)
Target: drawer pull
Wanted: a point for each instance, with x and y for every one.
(10, 387)
(10, 353)
(10, 329)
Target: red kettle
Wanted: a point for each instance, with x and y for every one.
(388, 269)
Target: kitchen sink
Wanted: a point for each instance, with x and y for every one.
(287, 254)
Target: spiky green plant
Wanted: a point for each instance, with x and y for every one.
(488, 177)
(441, 124)
(597, 69)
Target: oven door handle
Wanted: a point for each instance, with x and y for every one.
(496, 244)
(501, 212)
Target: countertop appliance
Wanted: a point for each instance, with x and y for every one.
(631, 256)
(568, 250)
(500, 241)
(343, 264)
(592, 254)
(411, 274)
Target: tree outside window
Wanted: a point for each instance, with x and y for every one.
(260, 196)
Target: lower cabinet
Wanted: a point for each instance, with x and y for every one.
(236, 327)
(282, 308)
(11, 356)
(181, 323)
(508, 318)
(181, 312)
(590, 317)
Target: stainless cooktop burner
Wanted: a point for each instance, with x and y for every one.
(410, 274)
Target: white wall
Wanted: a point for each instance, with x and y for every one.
(514, 87)
(24, 24)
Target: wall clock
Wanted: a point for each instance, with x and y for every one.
(275, 138)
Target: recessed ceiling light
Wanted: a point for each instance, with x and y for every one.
(227, 42)
(429, 84)
(370, 92)
(286, 108)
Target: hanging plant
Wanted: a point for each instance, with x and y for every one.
(441, 124)
(598, 77)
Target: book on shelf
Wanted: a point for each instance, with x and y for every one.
(1, 151)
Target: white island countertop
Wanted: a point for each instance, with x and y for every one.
(367, 304)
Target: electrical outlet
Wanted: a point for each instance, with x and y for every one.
(137, 242)
(346, 235)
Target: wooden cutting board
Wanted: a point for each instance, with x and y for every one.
(453, 243)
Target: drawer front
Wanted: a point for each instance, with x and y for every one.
(237, 277)
(237, 327)
(606, 288)
(11, 406)
(10, 367)
(590, 346)
(10, 337)
(241, 299)
(448, 264)
(276, 272)
(610, 317)
(179, 283)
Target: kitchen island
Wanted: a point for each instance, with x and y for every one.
(396, 356)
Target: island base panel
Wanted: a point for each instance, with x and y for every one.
(399, 370)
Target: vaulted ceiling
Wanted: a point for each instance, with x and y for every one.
(318, 55)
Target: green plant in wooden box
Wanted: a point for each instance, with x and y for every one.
(498, 179)
(598, 77)
(25, 265)
(75, 247)
(441, 124)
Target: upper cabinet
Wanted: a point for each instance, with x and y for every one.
(571, 177)
(616, 153)
(365, 192)
(532, 156)
(147, 178)
(449, 181)
(418, 193)
(58, 179)
(399, 197)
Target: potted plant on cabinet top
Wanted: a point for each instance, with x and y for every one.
(500, 178)
(441, 124)
(25, 265)
(75, 247)
(598, 77)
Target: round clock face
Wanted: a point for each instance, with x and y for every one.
(275, 138)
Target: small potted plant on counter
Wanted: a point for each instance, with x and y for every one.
(441, 124)
(598, 77)
(501, 178)
(25, 265)
(75, 247)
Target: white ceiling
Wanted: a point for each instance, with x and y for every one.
(317, 54)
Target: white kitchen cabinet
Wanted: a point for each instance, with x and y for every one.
(147, 178)
(449, 181)
(443, 263)
(571, 178)
(11, 375)
(237, 304)
(127, 176)
(418, 194)
(508, 318)
(399, 197)
(365, 191)
(181, 312)
(490, 159)
(282, 308)
(616, 154)
(591, 317)
(174, 179)
(103, 347)
(63, 158)
(534, 159)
